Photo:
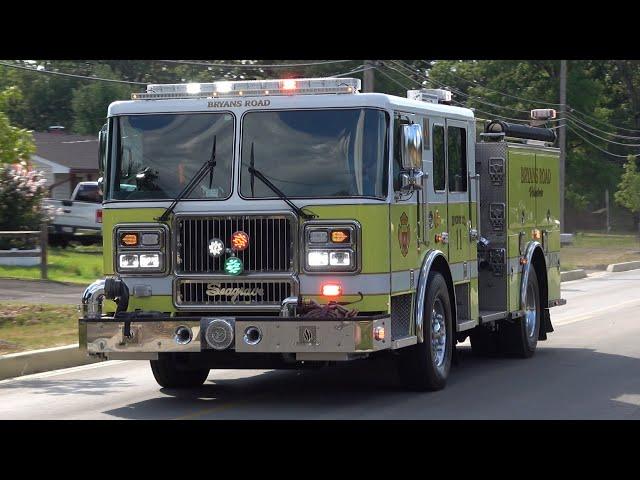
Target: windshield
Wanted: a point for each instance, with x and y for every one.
(157, 155)
(316, 153)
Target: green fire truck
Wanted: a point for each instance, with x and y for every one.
(298, 223)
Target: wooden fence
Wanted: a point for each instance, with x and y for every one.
(43, 236)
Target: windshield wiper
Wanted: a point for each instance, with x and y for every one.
(275, 189)
(208, 166)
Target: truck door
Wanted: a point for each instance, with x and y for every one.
(457, 195)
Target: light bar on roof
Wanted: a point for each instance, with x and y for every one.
(251, 88)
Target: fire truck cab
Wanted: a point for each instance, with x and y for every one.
(288, 223)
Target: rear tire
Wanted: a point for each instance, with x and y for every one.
(425, 366)
(169, 376)
(519, 337)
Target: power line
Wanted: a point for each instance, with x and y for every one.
(598, 147)
(494, 115)
(84, 77)
(256, 66)
(572, 110)
(459, 92)
(586, 124)
(575, 124)
(392, 79)
(357, 70)
(475, 83)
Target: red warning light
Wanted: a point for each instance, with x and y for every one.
(289, 84)
(331, 290)
(239, 241)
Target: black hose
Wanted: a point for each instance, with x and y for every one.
(516, 130)
(115, 289)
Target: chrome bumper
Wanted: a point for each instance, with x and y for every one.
(279, 335)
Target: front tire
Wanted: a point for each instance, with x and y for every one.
(425, 366)
(168, 375)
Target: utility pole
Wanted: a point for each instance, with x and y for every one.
(606, 204)
(367, 76)
(562, 136)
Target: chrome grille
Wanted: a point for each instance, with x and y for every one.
(401, 316)
(224, 293)
(270, 243)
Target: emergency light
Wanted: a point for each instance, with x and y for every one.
(251, 88)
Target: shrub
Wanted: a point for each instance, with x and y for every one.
(21, 193)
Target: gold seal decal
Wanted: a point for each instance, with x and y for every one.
(404, 234)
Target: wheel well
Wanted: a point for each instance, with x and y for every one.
(540, 268)
(441, 266)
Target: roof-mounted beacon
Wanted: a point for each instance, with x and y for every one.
(430, 95)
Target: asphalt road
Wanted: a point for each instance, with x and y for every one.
(588, 369)
(39, 291)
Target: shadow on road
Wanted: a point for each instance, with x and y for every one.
(555, 383)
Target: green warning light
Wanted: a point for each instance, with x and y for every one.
(233, 266)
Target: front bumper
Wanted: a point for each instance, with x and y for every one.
(139, 335)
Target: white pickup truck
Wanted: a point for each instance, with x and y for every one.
(79, 218)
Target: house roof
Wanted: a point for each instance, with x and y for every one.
(77, 152)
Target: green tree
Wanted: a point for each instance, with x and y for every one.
(90, 101)
(16, 144)
(628, 194)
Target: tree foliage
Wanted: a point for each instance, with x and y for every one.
(16, 144)
(608, 91)
(628, 194)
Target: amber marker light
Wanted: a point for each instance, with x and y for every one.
(340, 236)
(129, 239)
(239, 241)
(378, 333)
(331, 290)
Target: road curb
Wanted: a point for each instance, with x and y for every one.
(623, 267)
(36, 361)
(572, 275)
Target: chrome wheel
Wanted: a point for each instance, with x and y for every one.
(438, 333)
(531, 310)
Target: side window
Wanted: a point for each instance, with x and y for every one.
(397, 154)
(438, 158)
(457, 148)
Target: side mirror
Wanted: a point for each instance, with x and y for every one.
(411, 148)
(102, 147)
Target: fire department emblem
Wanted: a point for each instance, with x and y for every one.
(404, 234)
(437, 219)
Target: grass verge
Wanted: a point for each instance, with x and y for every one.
(594, 251)
(81, 265)
(30, 327)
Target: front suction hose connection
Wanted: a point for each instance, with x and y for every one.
(115, 289)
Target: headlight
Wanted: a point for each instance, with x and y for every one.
(317, 258)
(340, 259)
(140, 250)
(128, 260)
(331, 247)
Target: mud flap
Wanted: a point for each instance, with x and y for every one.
(546, 326)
